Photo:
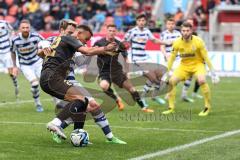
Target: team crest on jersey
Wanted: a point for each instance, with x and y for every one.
(140, 40)
(194, 48)
(181, 50)
(67, 82)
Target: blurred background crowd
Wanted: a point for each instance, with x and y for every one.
(46, 14)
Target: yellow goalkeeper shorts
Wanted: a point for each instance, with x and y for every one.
(183, 72)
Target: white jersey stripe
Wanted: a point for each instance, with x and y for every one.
(5, 36)
(138, 39)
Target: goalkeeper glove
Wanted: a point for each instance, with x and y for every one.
(214, 77)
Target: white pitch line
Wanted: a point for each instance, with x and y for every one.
(185, 146)
(21, 102)
(123, 127)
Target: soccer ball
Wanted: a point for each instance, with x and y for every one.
(79, 138)
(43, 44)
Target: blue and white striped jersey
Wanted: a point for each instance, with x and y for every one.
(26, 49)
(138, 39)
(5, 37)
(169, 36)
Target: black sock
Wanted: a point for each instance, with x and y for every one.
(196, 87)
(64, 125)
(110, 93)
(136, 97)
(79, 125)
(74, 110)
(15, 82)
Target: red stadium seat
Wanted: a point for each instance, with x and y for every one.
(228, 39)
(229, 17)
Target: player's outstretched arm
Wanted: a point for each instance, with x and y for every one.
(158, 41)
(97, 50)
(204, 53)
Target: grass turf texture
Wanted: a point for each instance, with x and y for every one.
(24, 136)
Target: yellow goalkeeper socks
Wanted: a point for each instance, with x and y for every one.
(171, 98)
(206, 94)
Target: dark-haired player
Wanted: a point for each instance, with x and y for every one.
(55, 70)
(138, 37)
(111, 71)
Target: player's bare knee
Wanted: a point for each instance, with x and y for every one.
(201, 81)
(93, 108)
(73, 97)
(104, 85)
(34, 83)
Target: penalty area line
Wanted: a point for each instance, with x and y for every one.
(186, 146)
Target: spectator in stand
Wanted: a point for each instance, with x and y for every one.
(211, 5)
(98, 20)
(32, 6)
(44, 6)
(129, 19)
(3, 8)
(88, 13)
(232, 2)
(102, 5)
(200, 15)
(178, 17)
(81, 6)
(118, 18)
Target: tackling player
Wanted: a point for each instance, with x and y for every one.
(67, 27)
(55, 70)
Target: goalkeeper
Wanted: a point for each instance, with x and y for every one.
(193, 58)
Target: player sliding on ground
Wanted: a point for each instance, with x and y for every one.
(193, 58)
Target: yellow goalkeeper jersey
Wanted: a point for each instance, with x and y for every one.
(191, 52)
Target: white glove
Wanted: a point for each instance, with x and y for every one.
(165, 77)
(215, 78)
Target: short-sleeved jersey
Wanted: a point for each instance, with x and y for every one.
(191, 52)
(26, 48)
(5, 37)
(107, 62)
(64, 47)
(169, 36)
(138, 39)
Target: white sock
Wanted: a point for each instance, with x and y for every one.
(56, 121)
(109, 135)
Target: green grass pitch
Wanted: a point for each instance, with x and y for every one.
(23, 135)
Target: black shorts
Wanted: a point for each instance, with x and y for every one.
(54, 83)
(116, 77)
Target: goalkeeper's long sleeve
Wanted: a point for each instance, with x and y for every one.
(204, 54)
